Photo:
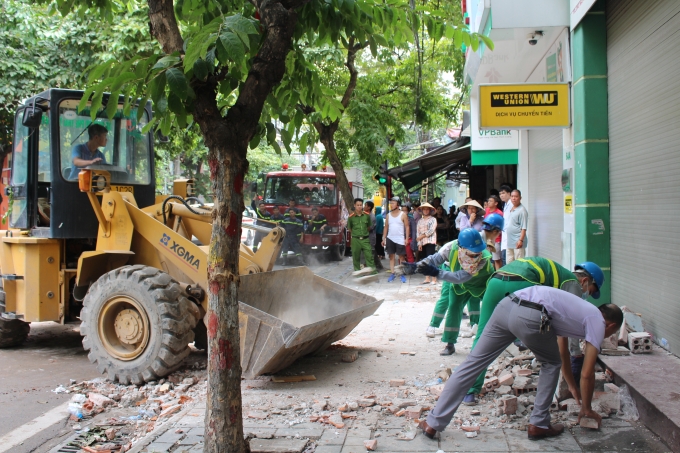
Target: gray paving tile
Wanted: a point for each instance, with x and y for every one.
(487, 440)
(328, 449)
(389, 442)
(308, 433)
(618, 439)
(332, 437)
(519, 441)
(169, 437)
(277, 445)
(156, 447)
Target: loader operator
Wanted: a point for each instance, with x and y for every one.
(88, 153)
(586, 280)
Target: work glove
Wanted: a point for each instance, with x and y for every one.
(428, 270)
(405, 269)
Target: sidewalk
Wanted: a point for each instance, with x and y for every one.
(391, 345)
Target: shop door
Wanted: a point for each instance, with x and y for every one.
(643, 63)
(546, 218)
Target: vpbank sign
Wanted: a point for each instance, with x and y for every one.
(524, 106)
(490, 139)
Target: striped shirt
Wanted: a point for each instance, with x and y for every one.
(427, 227)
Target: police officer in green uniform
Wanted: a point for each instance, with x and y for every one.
(359, 224)
(587, 279)
(471, 267)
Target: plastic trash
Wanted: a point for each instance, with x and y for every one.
(60, 389)
(75, 409)
(628, 410)
(78, 398)
(434, 382)
(148, 413)
(664, 343)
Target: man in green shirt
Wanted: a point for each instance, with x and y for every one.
(359, 225)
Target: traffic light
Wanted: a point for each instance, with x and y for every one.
(381, 176)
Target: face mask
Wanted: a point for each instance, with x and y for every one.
(585, 295)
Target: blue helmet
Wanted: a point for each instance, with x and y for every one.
(470, 239)
(493, 222)
(594, 271)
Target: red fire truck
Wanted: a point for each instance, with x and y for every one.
(315, 189)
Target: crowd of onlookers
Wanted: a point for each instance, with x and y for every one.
(428, 226)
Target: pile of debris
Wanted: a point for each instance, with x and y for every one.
(111, 417)
(631, 338)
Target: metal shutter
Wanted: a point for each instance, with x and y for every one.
(643, 58)
(546, 219)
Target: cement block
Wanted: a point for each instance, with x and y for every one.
(589, 423)
(277, 445)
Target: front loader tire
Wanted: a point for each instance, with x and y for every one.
(137, 325)
(13, 332)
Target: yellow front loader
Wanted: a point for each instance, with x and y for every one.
(88, 238)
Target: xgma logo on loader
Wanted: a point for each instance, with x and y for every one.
(180, 251)
(524, 98)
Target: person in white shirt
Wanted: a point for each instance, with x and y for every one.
(543, 318)
(394, 236)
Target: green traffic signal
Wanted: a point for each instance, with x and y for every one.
(382, 179)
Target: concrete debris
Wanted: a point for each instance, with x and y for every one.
(125, 413)
(471, 435)
(611, 388)
(349, 357)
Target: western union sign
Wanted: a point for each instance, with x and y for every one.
(524, 105)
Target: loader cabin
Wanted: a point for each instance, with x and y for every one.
(44, 195)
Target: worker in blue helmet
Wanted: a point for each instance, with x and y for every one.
(464, 282)
(492, 227)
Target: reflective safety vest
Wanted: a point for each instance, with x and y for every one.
(539, 271)
(477, 284)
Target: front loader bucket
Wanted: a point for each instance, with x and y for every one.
(287, 314)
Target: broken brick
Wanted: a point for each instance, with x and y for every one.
(366, 402)
(509, 405)
(397, 382)
(371, 445)
(470, 429)
(413, 411)
(99, 400)
(506, 379)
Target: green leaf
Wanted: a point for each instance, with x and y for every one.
(96, 103)
(255, 141)
(112, 104)
(121, 80)
(157, 87)
(162, 104)
(175, 104)
(474, 44)
(271, 133)
(177, 83)
(458, 38)
(487, 41)
(466, 39)
(233, 46)
(166, 62)
(201, 70)
(98, 71)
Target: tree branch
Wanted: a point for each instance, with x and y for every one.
(163, 25)
(352, 50)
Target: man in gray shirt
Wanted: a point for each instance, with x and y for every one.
(516, 220)
(542, 317)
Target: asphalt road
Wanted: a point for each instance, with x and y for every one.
(52, 356)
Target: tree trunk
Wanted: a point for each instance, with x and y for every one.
(326, 134)
(227, 140)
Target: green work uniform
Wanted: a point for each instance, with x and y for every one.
(533, 271)
(359, 226)
(454, 297)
